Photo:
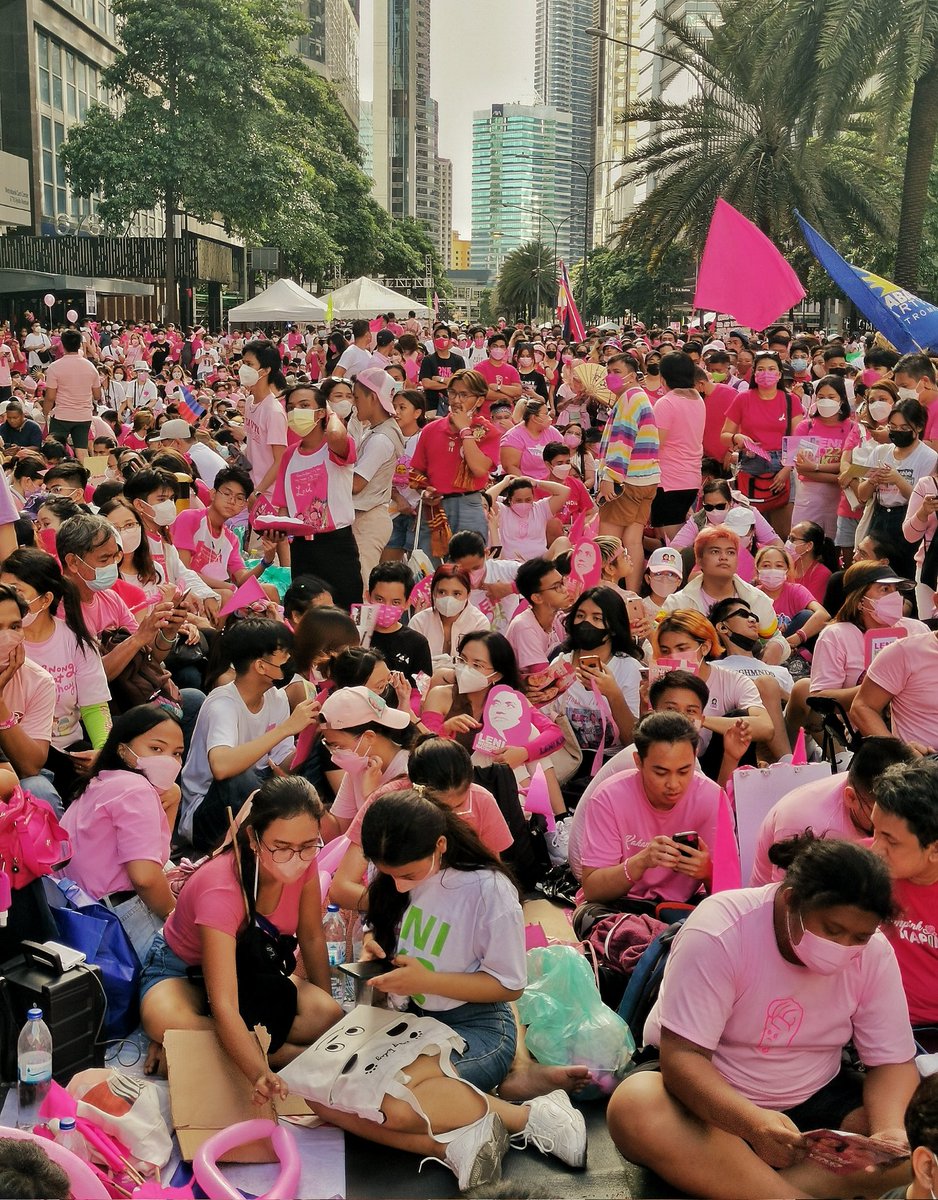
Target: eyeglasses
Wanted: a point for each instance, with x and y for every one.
(554, 587)
(283, 854)
(238, 496)
(716, 507)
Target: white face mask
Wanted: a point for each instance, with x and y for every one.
(470, 679)
(449, 606)
(341, 408)
(408, 885)
(879, 410)
(248, 375)
(908, 393)
(130, 539)
(164, 513)
(828, 408)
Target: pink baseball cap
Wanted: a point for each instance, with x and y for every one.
(353, 706)
(384, 386)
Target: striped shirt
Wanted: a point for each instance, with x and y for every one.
(629, 448)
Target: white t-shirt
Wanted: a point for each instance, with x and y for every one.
(728, 691)
(79, 680)
(209, 463)
(353, 360)
(583, 712)
(225, 720)
(920, 462)
(752, 668)
(462, 922)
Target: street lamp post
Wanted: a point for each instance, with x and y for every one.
(595, 32)
(588, 172)
(556, 226)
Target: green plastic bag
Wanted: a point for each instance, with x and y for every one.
(568, 1024)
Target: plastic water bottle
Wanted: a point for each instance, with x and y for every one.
(69, 1137)
(335, 931)
(33, 1068)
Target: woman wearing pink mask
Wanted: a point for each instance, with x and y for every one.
(873, 599)
(763, 989)
(273, 874)
(756, 422)
(120, 821)
(450, 615)
(522, 520)
(869, 430)
(522, 448)
(817, 461)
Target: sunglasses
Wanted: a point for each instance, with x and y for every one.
(716, 507)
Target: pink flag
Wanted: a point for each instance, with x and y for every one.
(742, 273)
(537, 799)
(250, 592)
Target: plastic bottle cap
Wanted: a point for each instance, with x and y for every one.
(332, 908)
(35, 1014)
(66, 1124)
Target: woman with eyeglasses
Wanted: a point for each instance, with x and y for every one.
(271, 871)
(717, 503)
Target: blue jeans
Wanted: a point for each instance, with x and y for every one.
(491, 1038)
(462, 512)
(160, 963)
(41, 786)
(210, 819)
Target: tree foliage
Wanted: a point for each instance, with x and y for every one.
(621, 281)
(528, 280)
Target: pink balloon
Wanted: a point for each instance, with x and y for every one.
(331, 855)
(210, 1178)
(71, 315)
(48, 299)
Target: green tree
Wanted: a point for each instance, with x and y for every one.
(528, 280)
(751, 136)
(621, 281)
(202, 128)
(403, 246)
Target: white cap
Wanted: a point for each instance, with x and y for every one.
(665, 559)
(740, 519)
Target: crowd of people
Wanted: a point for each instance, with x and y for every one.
(259, 593)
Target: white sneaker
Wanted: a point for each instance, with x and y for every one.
(475, 1154)
(558, 842)
(555, 1127)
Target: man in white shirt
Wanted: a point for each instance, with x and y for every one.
(177, 435)
(142, 392)
(377, 455)
(357, 356)
(37, 345)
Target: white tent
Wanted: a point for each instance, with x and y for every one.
(282, 301)
(365, 298)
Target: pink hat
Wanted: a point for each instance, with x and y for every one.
(353, 706)
(384, 386)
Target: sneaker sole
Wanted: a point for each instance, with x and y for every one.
(487, 1167)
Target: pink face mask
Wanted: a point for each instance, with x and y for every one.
(441, 343)
(766, 379)
(9, 640)
(613, 381)
(887, 609)
(162, 770)
(387, 616)
(497, 353)
(286, 872)
(572, 439)
(350, 760)
(870, 376)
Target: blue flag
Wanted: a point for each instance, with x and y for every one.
(909, 322)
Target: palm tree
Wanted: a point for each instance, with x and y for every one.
(751, 136)
(528, 280)
(895, 44)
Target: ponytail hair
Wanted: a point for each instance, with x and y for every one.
(828, 872)
(403, 827)
(268, 356)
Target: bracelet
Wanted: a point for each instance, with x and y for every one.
(802, 636)
(160, 636)
(12, 720)
(465, 433)
(628, 873)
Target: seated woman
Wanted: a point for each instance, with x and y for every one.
(272, 868)
(121, 820)
(431, 870)
(763, 989)
(522, 520)
(800, 616)
(441, 769)
(718, 502)
(450, 616)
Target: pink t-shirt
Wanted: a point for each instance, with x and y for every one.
(838, 660)
(580, 501)
(524, 537)
(212, 897)
(494, 374)
(532, 644)
(908, 670)
(765, 421)
(266, 426)
(117, 819)
(79, 678)
(818, 805)
(217, 557)
(792, 599)
(532, 448)
(718, 404)
(31, 692)
(680, 417)
(915, 941)
(776, 1030)
(106, 610)
(481, 813)
(620, 822)
(73, 377)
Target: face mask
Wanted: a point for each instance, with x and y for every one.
(31, 616)
(342, 409)
(901, 437)
(717, 376)
(567, 358)
(717, 516)
(652, 368)
(664, 584)
(247, 376)
(887, 609)
(477, 577)
(386, 616)
(744, 642)
(828, 408)
(287, 671)
(614, 382)
(497, 353)
(164, 513)
(908, 393)
(480, 342)
(587, 637)
(820, 955)
(869, 376)
(522, 508)
(303, 420)
(525, 364)
(571, 439)
(766, 379)
(793, 549)
(104, 577)
(449, 606)
(562, 470)
(879, 410)
(130, 539)
(440, 343)
(469, 679)
(408, 885)
(772, 577)
(799, 365)
(350, 760)
(9, 640)
(162, 770)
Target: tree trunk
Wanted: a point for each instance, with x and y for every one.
(172, 288)
(923, 133)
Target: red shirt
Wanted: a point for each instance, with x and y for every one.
(495, 374)
(915, 942)
(717, 404)
(438, 454)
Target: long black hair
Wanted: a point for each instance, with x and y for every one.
(403, 827)
(41, 572)
(129, 725)
(269, 358)
(278, 799)
(615, 618)
(827, 872)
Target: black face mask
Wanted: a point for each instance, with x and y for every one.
(389, 696)
(587, 637)
(652, 369)
(745, 643)
(841, 371)
(901, 437)
(288, 670)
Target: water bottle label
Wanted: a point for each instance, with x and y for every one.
(336, 952)
(35, 1072)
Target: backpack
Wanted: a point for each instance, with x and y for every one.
(142, 681)
(645, 982)
(528, 856)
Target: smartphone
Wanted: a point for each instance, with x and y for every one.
(635, 608)
(590, 661)
(690, 839)
(364, 971)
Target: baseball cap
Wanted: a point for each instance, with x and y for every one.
(665, 559)
(740, 519)
(716, 344)
(353, 706)
(384, 386)
(171, 430)
(861, 575)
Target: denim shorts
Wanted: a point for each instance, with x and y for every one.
(491, 1037)
(403, 531)
(846, 531)
(160, 963)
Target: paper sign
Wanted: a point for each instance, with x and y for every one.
(661, 666)
(96, 465)
(250, 592)
(818, 449)
(843, 1153)
(506, 721)
(875, 639)
(586, 564)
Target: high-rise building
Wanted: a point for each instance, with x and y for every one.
(366, 136)
(460, 251)
(444, 241)
(521, 182)
(564, 77)
(330, 47)
(616, 89)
